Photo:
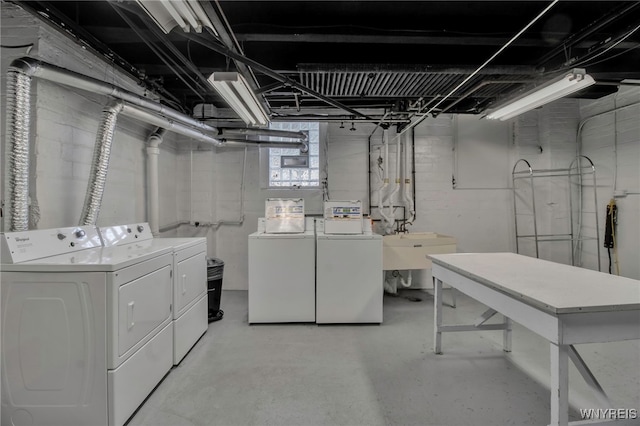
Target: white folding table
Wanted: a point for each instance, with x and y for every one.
(564, 304)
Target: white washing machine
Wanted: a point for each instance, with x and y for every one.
(348, 277)
(86, 331)
(190, 305)
(282, 276)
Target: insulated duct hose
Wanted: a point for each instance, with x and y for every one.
(18, 123)
(100, 165)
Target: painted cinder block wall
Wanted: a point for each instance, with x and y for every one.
(63, 131)
(612, 141)
(201, 184)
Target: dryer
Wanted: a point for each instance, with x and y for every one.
(189, 278)
(86, 330)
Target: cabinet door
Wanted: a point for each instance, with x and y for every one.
(190, 281)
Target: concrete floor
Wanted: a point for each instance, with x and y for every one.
(376, 375)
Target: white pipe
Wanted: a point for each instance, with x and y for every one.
(407, 194)
(406, 283)
(153, 151)
(385, 182)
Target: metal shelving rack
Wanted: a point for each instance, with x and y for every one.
(576, 169)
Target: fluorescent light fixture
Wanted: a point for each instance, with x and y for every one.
(235, 90)
(167, 14)
(557, 88)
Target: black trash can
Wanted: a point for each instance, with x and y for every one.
(215, 269)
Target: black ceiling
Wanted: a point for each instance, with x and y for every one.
(401, 56)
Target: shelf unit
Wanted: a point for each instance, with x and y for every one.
(580, 169)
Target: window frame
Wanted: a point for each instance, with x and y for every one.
(265, 168)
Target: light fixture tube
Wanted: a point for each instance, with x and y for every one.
(235, 90)
(557, 88)
(167, 14)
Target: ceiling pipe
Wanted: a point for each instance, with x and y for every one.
(249, 142)
(36, 68)
(201, 134)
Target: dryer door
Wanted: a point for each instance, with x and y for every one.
(190, 282)
(144, 307)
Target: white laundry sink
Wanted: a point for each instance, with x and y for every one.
(409, 252)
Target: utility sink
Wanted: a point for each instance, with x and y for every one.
(409, 251)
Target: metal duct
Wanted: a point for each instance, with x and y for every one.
(35, 68)
(18, 123)
(100, 165)
(303, 147)
(150, 118)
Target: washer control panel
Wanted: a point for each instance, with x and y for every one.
(23, 246)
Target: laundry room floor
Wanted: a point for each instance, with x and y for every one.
(304, 374)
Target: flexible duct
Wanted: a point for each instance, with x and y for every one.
(408, 198)
(385, 219)
(18, 122)
(397, 185)
(100, 165)
(153, 151)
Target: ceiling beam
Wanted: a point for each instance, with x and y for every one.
(394, 39)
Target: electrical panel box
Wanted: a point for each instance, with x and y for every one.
(343, 217)
(284, 216)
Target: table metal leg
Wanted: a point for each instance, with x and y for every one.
(437, 316)
(559, 384)
(453, 297)
(506, 335)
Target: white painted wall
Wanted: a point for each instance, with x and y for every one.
(612, 141)
(64, 126)
(200, 184)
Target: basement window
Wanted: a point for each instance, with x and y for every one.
(290, 167)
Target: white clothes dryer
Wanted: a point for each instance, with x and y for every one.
(189, 280)
(86, 331)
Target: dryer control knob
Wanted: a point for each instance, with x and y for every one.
(61, 236)
(140, 228)
(80, 233)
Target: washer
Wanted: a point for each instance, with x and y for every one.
(190, 305)
(86, 331)
(282, 276)
(348, 277)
